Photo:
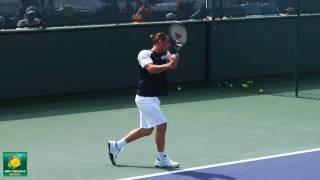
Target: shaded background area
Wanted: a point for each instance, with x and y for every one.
(263, 41)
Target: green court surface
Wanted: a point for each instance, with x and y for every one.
(67, 139)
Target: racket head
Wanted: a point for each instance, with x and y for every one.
(178, 34)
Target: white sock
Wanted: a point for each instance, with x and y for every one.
(161, 155)
(121, 143)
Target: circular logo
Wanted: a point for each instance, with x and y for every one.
(14, 162)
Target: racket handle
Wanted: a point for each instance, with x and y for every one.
(175, 48)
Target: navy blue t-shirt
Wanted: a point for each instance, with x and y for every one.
(151, 85)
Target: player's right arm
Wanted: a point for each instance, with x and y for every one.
(147, 63)
(156, 69)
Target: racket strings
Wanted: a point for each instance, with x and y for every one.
(178, 36)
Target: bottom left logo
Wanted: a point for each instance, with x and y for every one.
(15, 164)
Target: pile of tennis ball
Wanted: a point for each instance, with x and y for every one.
(247, 84)
(243, 85)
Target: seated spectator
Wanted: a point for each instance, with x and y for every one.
(2, 22)
(186, 9)
(143, 14)
(67, 15)
(109, 12)
(19, 14)
(136, 4)
(64, 15)
(284, 5)
(200, 12)
(288, 11)
(126, 11)
(30, 20)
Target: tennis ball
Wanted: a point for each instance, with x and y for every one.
(244, 85)
(179, 88)
(250, 82)
(260, 90)
(231, 85)
(15, 162)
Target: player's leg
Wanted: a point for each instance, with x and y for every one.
(114, 147)
(137, 133)
(161, 137)
(162, 159)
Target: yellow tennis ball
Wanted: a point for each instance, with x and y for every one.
(260, 90)
(179, 88)
(231, 85)
(15, 162)
(244, 85)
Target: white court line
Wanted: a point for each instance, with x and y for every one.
(223, 164)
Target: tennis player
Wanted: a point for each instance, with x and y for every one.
(152, 83)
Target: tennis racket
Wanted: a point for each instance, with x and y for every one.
(178, 35)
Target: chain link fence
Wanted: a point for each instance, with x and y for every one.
(284, 60)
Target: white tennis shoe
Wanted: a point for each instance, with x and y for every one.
(113, 151)
(166, 163)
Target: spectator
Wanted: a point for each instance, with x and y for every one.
(30, 20)
(284, 5)
(64, 15)
(143, 14)
(186, 9)
(2, 23)
(136, 4)
(126, 10)
(109, 12)
(288, 11)
(19, 14)
(200, 12)
(68, 15)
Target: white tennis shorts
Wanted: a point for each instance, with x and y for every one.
(150, 112)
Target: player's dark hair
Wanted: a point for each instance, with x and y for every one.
(160, 36)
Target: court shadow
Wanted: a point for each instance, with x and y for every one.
(146, 167)
(43, 107)
(71, 104)
(134, 166)
(205, 176)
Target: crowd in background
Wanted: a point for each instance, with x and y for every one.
(42, 13)
(31, 13)
(254, 7)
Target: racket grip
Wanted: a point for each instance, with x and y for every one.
(175, 48)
